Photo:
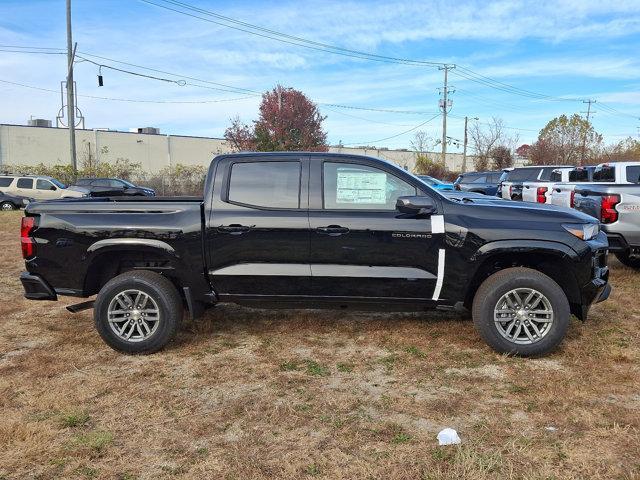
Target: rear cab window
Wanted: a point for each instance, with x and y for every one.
(351, 186)
(265, 184)
(605, 173)
(579, 175)
(523, 174)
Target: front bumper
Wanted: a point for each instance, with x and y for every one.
(597, 289)
(36, 287)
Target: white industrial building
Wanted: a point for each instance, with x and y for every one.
(34, 144)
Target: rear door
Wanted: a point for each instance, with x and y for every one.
(258, 232)
(361, 246)
(24, 187)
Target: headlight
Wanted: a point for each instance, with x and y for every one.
(584, 231)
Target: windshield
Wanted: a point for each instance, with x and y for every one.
(57, 183)
(429, 180)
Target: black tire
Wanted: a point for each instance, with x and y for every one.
(160, 290)
(492, 290)
(626, 259)
(6, 206)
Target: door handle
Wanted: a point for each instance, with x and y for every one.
(333, 230)
(234, 229)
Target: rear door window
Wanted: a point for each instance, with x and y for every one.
(265, 184)
(480, 179)
(633, 173)
(25, 183)
(5, 181)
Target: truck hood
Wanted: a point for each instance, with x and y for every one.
(524, 211)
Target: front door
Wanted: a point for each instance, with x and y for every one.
(361, 246)
(45, 190)
(258, 232)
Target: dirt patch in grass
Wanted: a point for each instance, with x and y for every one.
(313, 394)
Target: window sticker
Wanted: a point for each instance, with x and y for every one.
(361, 187)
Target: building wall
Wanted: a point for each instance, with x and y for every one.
(27, 145)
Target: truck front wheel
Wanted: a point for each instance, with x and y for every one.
(138, 312)
(521, 311)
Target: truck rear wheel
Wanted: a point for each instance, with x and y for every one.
(627, 259)
(521, 311)
(138, 312)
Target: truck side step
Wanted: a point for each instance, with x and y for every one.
(78, 307)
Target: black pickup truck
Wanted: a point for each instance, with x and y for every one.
(312, 230)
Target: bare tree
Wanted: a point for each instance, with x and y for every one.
(487, 137)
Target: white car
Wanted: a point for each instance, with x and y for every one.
(537, 191)
(39, 187)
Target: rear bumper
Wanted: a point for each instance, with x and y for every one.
(36, 288)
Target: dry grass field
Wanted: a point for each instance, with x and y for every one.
(247, 394)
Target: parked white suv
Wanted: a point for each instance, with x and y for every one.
(39, 187)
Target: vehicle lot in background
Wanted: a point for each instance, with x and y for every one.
(617, 206)
(12, 202)
(38, 187)
(283, 388)
(435, 183)
(478, 182)
(512, 185)
(562, 193)
(540, 190)
(105, 187)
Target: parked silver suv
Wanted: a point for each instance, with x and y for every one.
(39, 187)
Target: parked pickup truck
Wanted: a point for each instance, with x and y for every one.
(316, 230)
(562, 194)
(539, 191)
(617, 206)
(511, 184)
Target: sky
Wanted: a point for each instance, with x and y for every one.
(563, 51)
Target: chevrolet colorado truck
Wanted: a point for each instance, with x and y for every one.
(313, 230)
(562, 194)
(617, 206)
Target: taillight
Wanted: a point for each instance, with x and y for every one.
(28, 243)
(572, 199)
(510, 190)
(541, 196)
(608, 213)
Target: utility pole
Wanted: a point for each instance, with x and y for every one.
(70, 94)
(445, 103)
(464, 150)
(586, 130)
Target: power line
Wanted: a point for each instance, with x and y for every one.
(282, 37)
(366, 119)
(394, 136)
(130, 100)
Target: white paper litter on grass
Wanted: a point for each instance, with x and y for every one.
(448, 436)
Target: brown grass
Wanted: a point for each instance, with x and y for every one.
(300, 394)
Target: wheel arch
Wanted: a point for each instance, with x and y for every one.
(108, 258)
(556, 260)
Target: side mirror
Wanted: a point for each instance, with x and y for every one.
(423, 205)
